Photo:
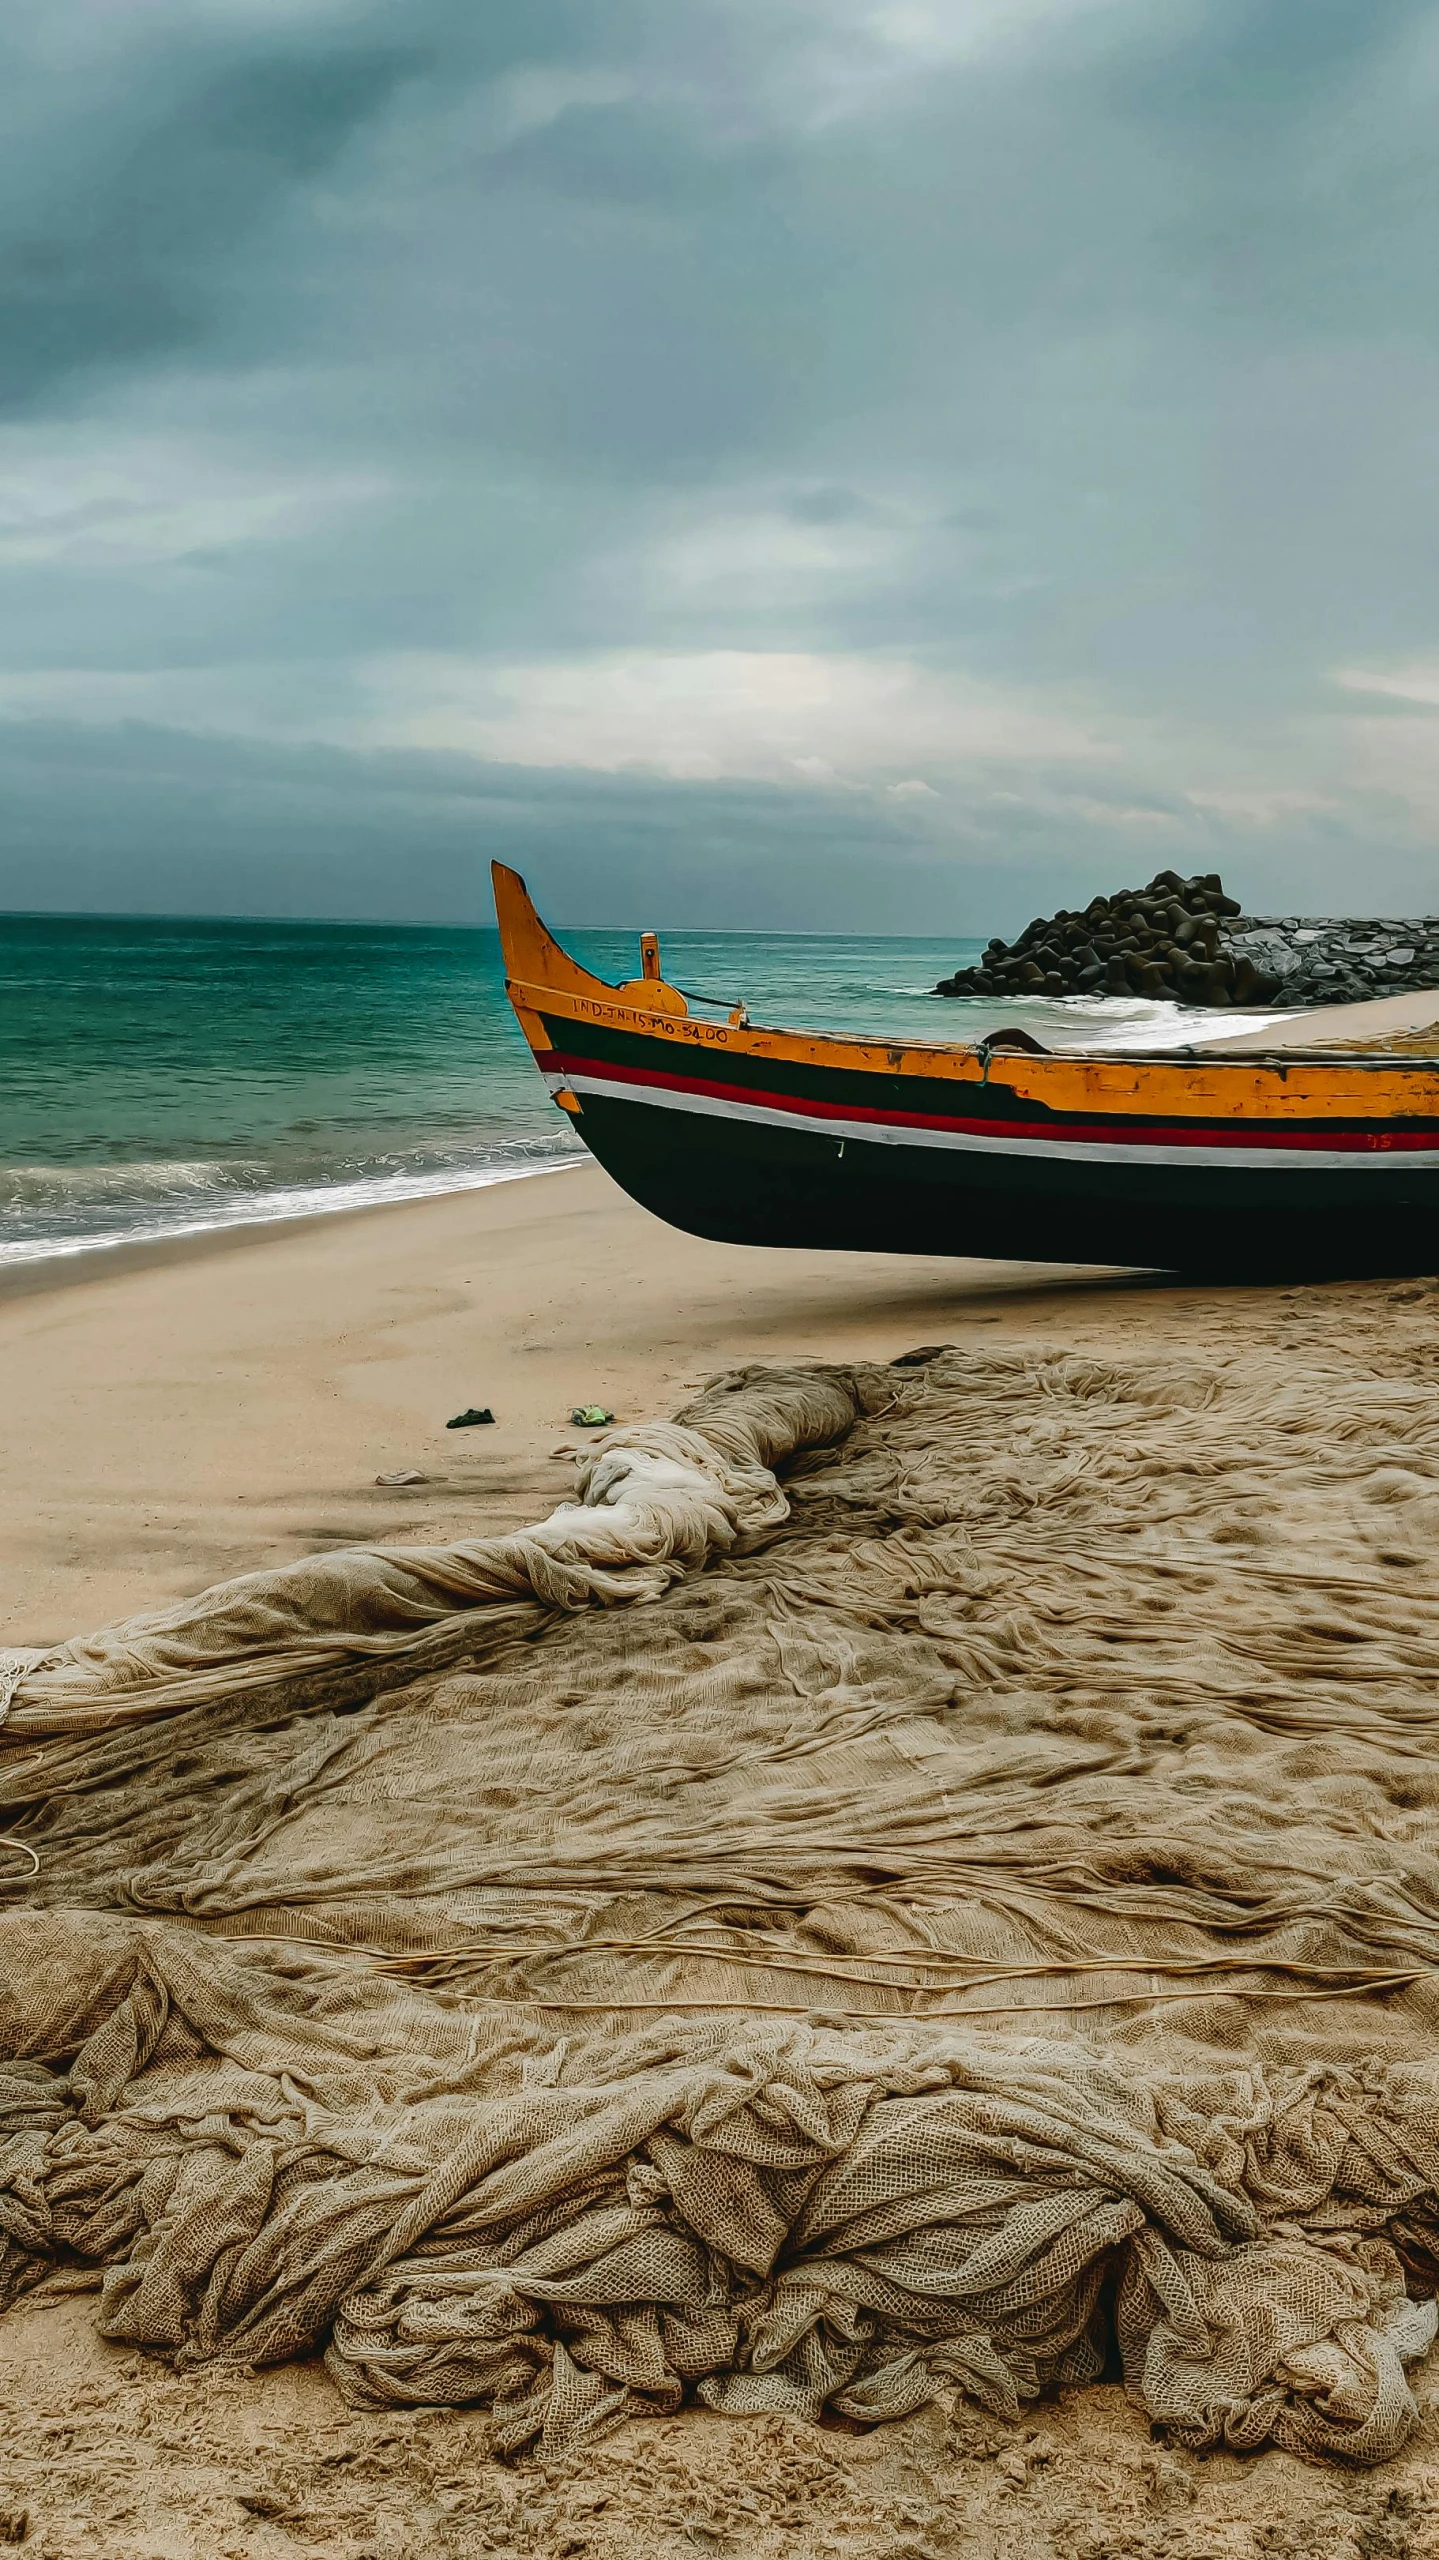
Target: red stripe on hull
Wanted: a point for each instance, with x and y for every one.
(1145, 1133)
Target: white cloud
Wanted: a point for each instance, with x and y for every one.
(760, 558)
(872, 56)
(252, 701)
(718, 713)
(538, 94)
(1131, 817)
(77, 497)
(834, 722)
(1379, 751)
(1414, 683)
(936, 31)
(1260, 806)
(1398, 759)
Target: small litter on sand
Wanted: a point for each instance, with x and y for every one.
(591, 1417)
(403, 1475)
(472, 1413)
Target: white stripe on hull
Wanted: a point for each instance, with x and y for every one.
(881, 1133)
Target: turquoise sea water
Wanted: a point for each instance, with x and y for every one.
(164, 1076)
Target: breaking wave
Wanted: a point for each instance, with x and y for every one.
(60, 1210)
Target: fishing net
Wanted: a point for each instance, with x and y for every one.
(963, 1917)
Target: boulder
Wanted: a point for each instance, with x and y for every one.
(1163, 940)
(1189, 941)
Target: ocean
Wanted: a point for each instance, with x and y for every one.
(168, 1076)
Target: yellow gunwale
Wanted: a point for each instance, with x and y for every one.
(1290, 1085)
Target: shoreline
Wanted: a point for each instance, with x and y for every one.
(73, 1265)
(144, 1250)
(184, 1411)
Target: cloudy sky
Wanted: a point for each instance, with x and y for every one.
(875, 463)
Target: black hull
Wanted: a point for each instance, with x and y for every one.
(740, 1183)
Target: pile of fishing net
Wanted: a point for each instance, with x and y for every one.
(922, 1880)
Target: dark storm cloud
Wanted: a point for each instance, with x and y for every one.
(172, 823)
(1075, 356)
(124, 245)
(96, 820)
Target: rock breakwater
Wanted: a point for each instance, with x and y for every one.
(1188, 940)
(1339, 959)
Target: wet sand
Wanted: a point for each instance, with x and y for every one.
(190, 1414)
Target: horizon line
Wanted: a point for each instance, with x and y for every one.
(449, 924)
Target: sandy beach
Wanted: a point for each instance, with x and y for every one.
(768, 1899)
(182, 1414)
(191, 1414)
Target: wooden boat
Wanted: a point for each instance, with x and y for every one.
(1251, 1163)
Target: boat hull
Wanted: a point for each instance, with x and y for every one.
(1252, 1167)
(792, 1187)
